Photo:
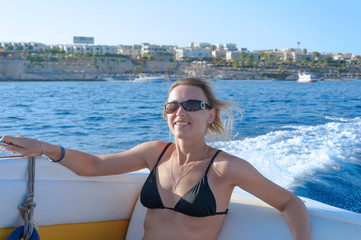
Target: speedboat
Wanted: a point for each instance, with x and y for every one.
(149, 79)
(69, 206)
(304, 77)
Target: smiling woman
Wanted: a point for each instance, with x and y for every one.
(215, 128)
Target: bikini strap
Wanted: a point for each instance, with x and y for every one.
(161, 155)
(210, 162)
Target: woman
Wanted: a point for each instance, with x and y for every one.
(188, 190)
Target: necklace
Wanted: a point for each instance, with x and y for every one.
(185, 166)
(175, 183)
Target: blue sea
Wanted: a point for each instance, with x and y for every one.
(305, 137)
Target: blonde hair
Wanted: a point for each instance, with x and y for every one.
(218, 129)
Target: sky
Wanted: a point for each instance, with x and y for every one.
(317, 25)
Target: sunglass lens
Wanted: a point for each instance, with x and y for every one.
(191, 105)
(171, 107)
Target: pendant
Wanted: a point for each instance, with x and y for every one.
(175, 187)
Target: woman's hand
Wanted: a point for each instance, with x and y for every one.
(25, 146)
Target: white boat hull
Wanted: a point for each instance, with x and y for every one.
(149, 79)
(65, 198)
(303, 77)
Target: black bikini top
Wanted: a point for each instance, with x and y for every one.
(199, 201)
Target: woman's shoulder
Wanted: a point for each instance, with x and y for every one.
(226, 164)
(151, 151)
(226, 158)
(153, 145)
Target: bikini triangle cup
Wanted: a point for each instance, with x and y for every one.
(199, 201)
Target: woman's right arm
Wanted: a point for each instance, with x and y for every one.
(85, 164)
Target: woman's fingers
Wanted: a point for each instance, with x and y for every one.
(22, 145)
(12, 148)
(11, 145)
(11, 140)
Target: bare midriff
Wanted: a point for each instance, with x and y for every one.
(167, 224)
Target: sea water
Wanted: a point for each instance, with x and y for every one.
(305, 137)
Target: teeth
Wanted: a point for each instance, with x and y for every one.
(181, 123)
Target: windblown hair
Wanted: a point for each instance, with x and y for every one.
(218, 129)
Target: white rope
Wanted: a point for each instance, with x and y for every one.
(27, 208)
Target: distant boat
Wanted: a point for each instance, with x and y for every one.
(103, 78)
(304, 77)
(149, 79)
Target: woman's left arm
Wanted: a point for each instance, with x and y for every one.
(244, 175)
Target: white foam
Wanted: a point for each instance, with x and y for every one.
(282, 156)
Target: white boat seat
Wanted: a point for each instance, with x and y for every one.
(136, 229)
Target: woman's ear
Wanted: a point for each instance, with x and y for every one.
(212, 116)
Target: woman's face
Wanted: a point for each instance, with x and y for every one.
(188, 124)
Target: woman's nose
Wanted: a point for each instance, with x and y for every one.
(180, 110)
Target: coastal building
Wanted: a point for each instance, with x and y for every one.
(77, 49)
(200, 45)
(296, 56)
(230, 47)
(343, 56)
(219, 46)
(266, 51)
(190, 53)
(226, 47)
(85, 49)
(219, 53)
(105, 50)
(133, 51)
(138, 51)
(232, 55)
(171, 49)
(23, 46)
(150, 49)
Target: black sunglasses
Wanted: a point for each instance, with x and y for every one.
(189, 105)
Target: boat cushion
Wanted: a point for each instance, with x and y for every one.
(136, 229)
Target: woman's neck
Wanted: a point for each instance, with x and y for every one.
(188, 151)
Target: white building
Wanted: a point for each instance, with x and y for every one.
(200, 45)
(150, 49)
(96, 50)
(171, 49)
(219, 46)
(226, 47)
(184, 53)
(343, 56)
(23, 46)
(219, 53)
(230, 47)
(133, 51)
(108, 49)
(86, 49)
(232, 55)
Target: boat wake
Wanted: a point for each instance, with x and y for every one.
(291, 155)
